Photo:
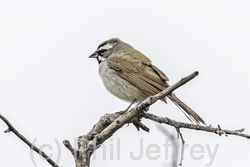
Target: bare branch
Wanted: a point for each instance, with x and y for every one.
(179, 125)
(110, 123)
(33, 147)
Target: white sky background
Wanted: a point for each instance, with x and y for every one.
(50, 89)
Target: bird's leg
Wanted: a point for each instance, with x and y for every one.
(130, 105)
(122, 112)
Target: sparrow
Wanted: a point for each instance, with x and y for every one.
(129, 75)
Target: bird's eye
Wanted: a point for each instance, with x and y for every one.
(102, 52)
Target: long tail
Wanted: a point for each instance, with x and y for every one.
(189, 113)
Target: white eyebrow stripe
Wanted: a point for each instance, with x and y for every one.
(106, 47)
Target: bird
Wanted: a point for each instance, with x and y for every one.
(130, 75)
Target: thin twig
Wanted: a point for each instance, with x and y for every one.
(33, 147)
(175, 145)
(182, 145)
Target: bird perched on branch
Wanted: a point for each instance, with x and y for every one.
(129, 75)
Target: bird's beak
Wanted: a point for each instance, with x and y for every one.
(94, 55)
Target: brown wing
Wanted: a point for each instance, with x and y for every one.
(141, 74)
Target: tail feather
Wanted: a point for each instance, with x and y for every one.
(189, 113)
